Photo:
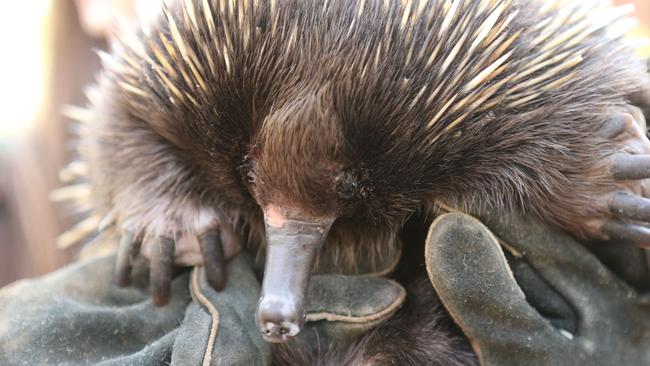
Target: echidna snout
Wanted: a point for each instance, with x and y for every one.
(292, 247)
(279, 318)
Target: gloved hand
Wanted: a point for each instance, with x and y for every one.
(561, 307)
(77, 316)
(338, 307)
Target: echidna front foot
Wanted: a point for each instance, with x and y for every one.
(628, 203)
(208, 245)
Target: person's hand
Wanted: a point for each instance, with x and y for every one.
(562, 306)
(219, 327)
(77, 315)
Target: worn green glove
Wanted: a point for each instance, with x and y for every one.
(561, 307)
(338, 307)
(77, 316)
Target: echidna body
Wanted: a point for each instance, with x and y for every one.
(331, 122)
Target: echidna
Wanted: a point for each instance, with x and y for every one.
(294, 125)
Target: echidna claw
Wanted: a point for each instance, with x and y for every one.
(165, 252)
(214, 260)
(128, 249)
(630, 167)
(162, 265)
(628, 206)
(629, 233)
(616, 125)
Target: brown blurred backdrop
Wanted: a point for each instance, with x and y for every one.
(33, 151)
(36, 140)
(48, 60)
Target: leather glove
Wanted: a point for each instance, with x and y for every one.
(77, 316)
(560, 306)
(338, 307)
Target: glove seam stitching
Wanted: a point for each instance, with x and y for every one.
(214, 314)
(323, 315)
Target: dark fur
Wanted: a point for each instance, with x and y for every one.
(305, 126)
(291, 114)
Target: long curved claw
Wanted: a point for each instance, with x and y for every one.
(630, 167)
(214, 260)
(628, 206)
(616, 125)
(128, 249)
(631, 233)
(162, 265)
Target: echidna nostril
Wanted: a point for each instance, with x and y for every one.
(279, 332)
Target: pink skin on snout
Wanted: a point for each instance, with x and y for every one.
(274, 216)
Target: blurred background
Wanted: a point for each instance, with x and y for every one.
(47, 60)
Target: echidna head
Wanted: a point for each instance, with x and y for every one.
(305, 173)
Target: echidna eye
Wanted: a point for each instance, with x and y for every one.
(347, 185)
(348, 190)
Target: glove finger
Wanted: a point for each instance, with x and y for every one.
(542, 296)
(471, 275)
(340, 308)
(347, 305)
(567, 265)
